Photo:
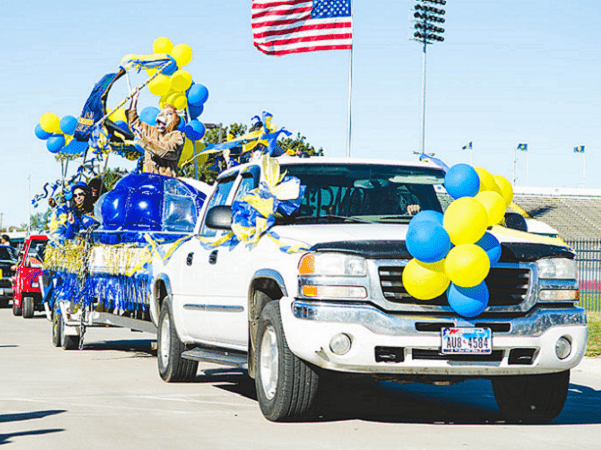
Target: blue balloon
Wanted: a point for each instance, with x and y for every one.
(182, 124)
(491, 246)
(197, 94)
(195, 111)
(194, 130)
(55, 142)
(40, 133)
(462, 180)
(149, 115)
(428, 242)
(427, 215)
(144, 211)
(171, 68)
(468, 302)
(68, 125)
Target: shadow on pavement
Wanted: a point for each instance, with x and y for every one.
(470, 402)
(139, 347)
(19, 417)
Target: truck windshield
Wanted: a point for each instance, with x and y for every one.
(365, 192)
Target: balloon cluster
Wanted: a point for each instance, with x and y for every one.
(56, 132)
(176, 88)
(454, 252)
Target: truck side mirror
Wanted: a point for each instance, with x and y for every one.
(219, 217)
(515, 221)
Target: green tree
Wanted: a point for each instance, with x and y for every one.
(298, 145)
(38, 222)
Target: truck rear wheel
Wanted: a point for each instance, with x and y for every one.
(286, 385)
(531, 398)
(28, 307)
(17, 310)
(172, 367)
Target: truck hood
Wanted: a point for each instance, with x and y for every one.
(388, 240)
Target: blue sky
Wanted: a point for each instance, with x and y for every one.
(509, 72)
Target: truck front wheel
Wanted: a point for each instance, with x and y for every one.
(172, 367)
(531, 398)
(286, 385)
(28, 307)
(17, 310)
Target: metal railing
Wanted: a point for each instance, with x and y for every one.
(589, 271)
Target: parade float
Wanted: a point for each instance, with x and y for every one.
(98, 265)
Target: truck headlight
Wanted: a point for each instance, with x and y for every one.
(332, 276)
(332, 264)
(557, 269)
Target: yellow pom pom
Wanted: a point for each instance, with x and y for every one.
(465, 220)
(467, 265)
(425, 281)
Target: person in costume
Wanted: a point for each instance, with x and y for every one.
(79, 217)
(163, 143)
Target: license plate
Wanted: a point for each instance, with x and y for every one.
(467, 340)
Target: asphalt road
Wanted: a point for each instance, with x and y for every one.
(109, 396)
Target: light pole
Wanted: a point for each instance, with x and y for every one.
(426, 32)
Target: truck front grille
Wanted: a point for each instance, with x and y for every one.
(507, 287)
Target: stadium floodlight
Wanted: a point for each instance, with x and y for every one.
(427, 17)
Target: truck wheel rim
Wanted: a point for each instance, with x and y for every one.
(269, 362)
(165, 342)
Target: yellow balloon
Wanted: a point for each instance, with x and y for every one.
(181, 80)
(467, 265)
(160, 85)
(177, 99)
(487, 182)
(494, 204)
(162, 45)
(50, 123)
(465, 220)
(505, 188)
(425, 281)
(182, 54)
(117, 115)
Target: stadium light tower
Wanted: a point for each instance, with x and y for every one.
(427, 16)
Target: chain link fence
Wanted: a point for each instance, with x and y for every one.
(589, 271)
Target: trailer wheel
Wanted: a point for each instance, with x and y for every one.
(286, 385)
(17, 310)
(68, 342)
(172, 367)
(531, 398)
(57, 323)
(28, 307)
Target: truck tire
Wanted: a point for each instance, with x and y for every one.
(68, 342)
(57, 324)
(17, 310)
(28, 307)
(286, 385)
(531, 398)
(172, 367)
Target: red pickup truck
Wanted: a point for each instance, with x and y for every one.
(27, 296)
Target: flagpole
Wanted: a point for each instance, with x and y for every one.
(350, 91)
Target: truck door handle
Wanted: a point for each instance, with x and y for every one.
(190, 258)
(213, 257)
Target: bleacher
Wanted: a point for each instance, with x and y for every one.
(574, 213)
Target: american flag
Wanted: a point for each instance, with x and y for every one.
(281, 27)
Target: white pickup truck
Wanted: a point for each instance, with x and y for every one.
(339, 306)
